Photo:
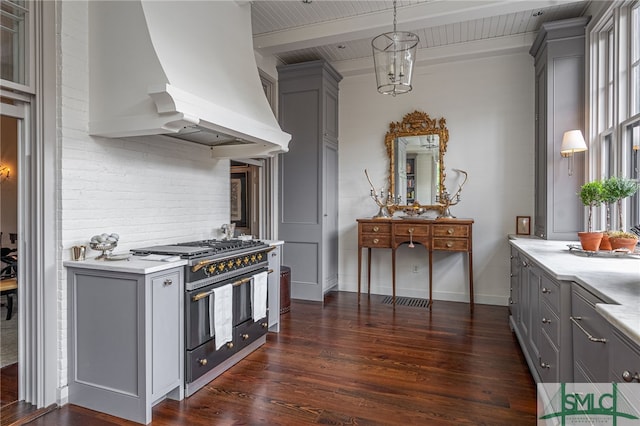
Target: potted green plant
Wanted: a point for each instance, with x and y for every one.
(614, 190)
(591, 196)
(608, 199)
(623, 240)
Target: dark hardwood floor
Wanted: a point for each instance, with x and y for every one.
(341, 364)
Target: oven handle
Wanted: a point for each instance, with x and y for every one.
(235, 283)
(203, 263)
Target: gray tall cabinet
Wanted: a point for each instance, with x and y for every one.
(559, 72)
(308, 177)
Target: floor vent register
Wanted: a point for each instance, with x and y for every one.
(406, 301)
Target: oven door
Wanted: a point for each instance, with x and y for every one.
(197, 309)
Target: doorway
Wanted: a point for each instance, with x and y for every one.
(9, 131)
(245, 198)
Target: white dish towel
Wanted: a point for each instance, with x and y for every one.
(259, 295)
(221, 314)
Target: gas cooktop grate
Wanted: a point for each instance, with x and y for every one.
(406, 301)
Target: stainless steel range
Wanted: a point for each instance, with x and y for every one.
(212, 264)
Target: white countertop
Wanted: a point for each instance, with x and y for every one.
(614, 280)
(134, 265)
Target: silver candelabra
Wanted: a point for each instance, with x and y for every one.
(447, 200)
(383, 199)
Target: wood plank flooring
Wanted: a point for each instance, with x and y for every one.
(341, 364)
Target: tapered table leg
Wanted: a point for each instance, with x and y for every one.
(430, 278)
(368, 272)
(471, 301)
(359, 271)
(393, 274)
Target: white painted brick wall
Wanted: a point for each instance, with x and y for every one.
(150, 190)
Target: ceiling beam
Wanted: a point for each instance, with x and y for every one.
(414, 17)
(497, 46)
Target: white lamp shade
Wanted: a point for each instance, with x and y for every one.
(573, 141)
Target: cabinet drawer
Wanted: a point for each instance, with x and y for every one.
(624, 361)
(372, 240)
(590, 336)
(450, 230)
(550, 292)
(248, 332)
(375, 228)
(411, 229)
(550, 324)
(549, 361)
(451, 244)
(205, 358)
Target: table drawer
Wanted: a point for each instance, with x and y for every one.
(375, 228)
(450, 230)
(411, 229)
(373, 240)
(451, 244)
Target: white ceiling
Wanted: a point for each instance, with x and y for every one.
(341, 31)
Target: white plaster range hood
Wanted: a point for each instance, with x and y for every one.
(184, 69)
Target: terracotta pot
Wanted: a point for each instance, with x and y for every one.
(623, 243)
(590, 240)
(605, 244)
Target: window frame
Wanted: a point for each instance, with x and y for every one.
(612, 108)
(27, 39)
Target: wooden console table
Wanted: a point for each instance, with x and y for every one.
(452, 235)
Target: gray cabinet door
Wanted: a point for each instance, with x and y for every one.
(274, 289)
(533, 317)
(330, 218)
(166, 323)
(559, 69)
(308, 174)
(624, 360)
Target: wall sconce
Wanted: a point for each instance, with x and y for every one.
(5, 173)
(572, 142)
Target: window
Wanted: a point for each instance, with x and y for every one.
(608, 156)
(633, 148)
(13, 39)
(609, 55)
(635, 59)
(614, 80)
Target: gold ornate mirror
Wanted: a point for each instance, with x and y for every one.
(416, 148)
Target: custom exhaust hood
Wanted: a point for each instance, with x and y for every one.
(184, 69)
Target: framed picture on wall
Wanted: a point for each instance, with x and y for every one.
(523, 225)
(239, 204)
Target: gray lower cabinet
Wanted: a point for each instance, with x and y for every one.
(126, 349)
(562, 335)
(308, 176)
(515, 296)
(590, 338)
(274, 288)
(540, 307)
(602, 354)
